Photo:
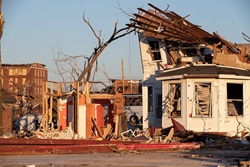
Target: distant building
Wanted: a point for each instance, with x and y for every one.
(20, 78)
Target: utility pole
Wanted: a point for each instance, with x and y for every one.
(1, 76)
(123, 88)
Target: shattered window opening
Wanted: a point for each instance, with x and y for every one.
(155, 49)
(203, 99)
(173, 100)
(234, 99)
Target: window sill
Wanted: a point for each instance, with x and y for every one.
(201, 116)
(174, 117)
(232, 116)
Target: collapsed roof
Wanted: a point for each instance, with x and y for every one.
(175, 30)
(182, 36)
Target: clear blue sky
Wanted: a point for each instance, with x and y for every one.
(33, 28)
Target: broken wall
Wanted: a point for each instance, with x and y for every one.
(235, 123)
(233, 60)
(65, 110)
(7, 119)
(151, 68)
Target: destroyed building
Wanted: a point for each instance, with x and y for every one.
(22, 91)
(89, 114)
(197, 78)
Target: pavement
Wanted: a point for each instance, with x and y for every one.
(194, 158)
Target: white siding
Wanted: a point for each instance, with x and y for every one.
(219, 120)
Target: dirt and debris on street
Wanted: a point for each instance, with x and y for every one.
(197, 158)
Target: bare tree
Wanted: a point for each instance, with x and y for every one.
(69, 66)
(101, 46)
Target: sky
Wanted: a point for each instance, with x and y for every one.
(36, 30)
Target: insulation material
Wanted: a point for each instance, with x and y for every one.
(232, 111)
(173, 101)
(170, 98)
(202, 98)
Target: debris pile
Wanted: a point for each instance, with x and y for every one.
(169, 135)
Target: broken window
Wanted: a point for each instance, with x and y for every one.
(154, 48)
(173, 101)
(159, 106)
(234, 99)
(203, 99)
(150, 99)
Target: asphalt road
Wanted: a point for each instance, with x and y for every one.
(194, 158)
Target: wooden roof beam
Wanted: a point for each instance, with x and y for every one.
(175, 16)
(163, 36)
(201, 30)
(172, 27)
(165, 32)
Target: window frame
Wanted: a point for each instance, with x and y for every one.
(210, 112)
(173, 101)
(231, 100)
(154, 47)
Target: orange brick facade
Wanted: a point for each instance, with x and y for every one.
(18, 76)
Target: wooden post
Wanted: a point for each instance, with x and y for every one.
(88, 120)
(76, 108)
(43, 103)
(45, 117)
(117, 125)
(88, 100)
(51, 105)
(59, 88)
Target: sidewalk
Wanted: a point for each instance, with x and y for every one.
(195, 158)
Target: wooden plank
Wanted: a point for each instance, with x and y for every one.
(96, 127)
(101, 96)
(117, 125)
(88, 120)
(107, 131)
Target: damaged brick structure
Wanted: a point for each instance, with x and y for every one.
(22, 91)
(199, 79)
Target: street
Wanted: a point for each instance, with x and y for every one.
(194, 158)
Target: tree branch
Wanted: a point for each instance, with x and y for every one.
(92, 29)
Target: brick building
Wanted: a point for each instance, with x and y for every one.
(17, 77)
